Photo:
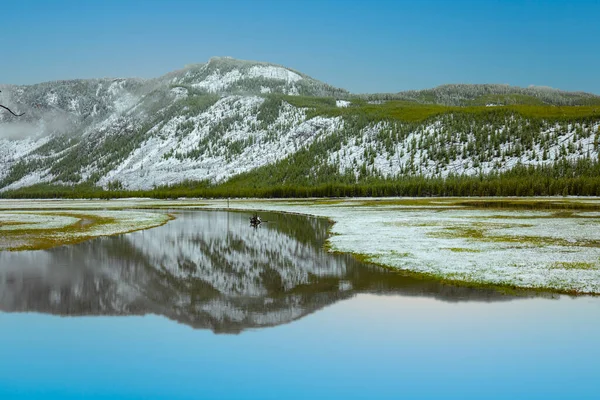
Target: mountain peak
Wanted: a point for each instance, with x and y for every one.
(231, 75)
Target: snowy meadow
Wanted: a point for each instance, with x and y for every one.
(547, 244)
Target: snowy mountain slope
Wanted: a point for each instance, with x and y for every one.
(213, 121)
(189, 124)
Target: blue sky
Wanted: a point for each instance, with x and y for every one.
(363, 46)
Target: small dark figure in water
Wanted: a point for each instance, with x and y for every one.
(255, 220)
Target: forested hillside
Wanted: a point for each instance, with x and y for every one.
(241, 128)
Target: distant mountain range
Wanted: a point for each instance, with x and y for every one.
(248, 121)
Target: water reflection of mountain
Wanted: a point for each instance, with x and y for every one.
(207, 269)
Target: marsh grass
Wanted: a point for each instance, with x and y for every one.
(86, 227)
(460, 280)
(10, 223)
(529, 204)
(564, 208)
(401, 254)
(573, 265)
(461, 250)
(481, 234)
(409, 202)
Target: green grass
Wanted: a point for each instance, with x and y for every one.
(505, 99)
(573, 265)
(461, 250)
(480, 232)
(563, 208)
(400, 254)
(408, 111)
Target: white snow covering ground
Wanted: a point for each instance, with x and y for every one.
(528, 249)
(558, 254)
(272, 72)
(147, 166)
(51, 223)
(18, 221)
(218, 81)
(179, 93)
(352, 154)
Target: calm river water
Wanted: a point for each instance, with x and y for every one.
(207, 307)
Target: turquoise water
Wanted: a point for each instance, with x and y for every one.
(207, 307)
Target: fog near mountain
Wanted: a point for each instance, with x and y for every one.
(49, 123)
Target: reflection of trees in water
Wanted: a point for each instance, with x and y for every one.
(207, 270)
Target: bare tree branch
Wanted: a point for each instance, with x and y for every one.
(10, 111)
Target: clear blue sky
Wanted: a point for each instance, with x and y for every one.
(363, 46)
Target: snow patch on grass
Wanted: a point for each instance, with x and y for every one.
(19, 221)
(529, 249)
(30, 230)
(519, 252)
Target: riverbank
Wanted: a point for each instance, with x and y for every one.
(545, 243)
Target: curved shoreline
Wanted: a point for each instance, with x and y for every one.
(546, 251)
(507, 288)
(41, 230)
(550, 245)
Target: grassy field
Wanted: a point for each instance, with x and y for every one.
(408, 111)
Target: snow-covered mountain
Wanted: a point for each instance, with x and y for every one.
(216, 120)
